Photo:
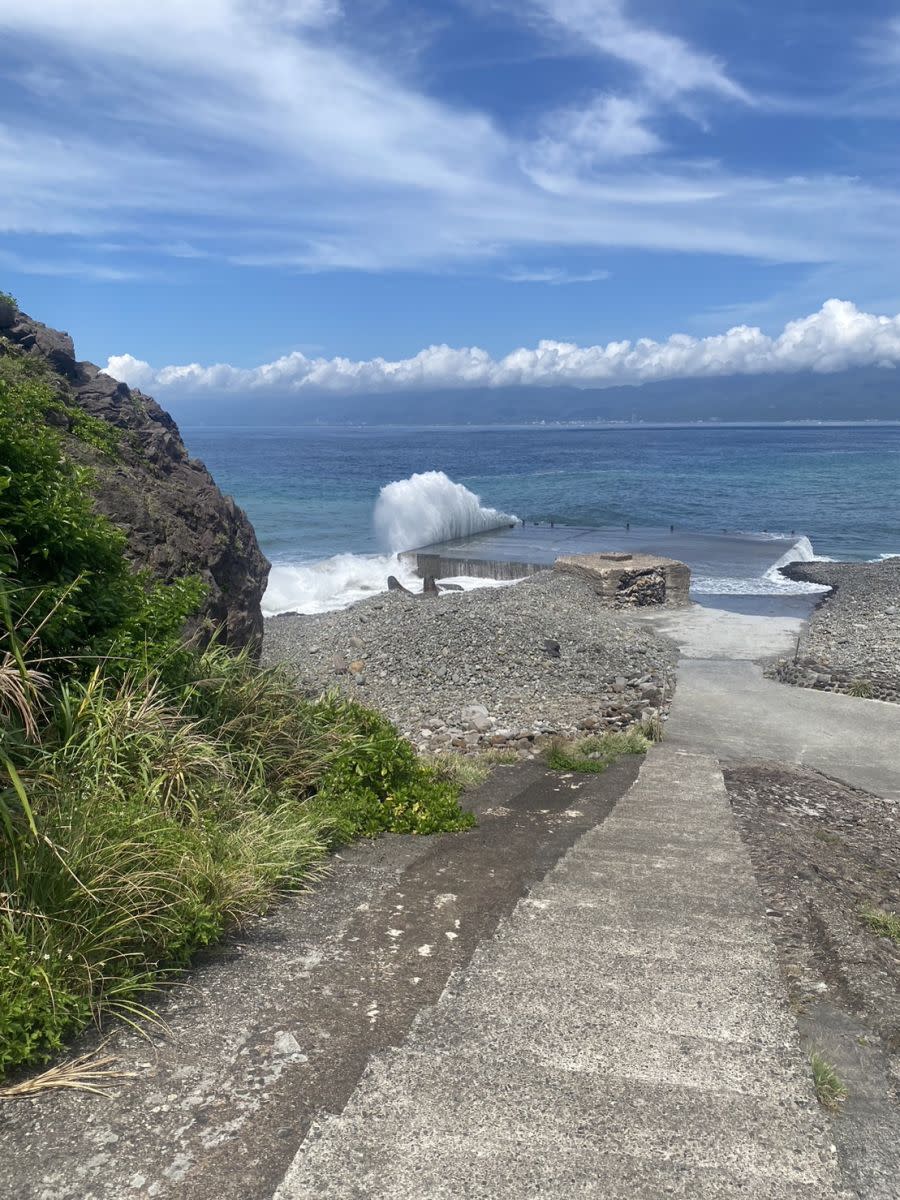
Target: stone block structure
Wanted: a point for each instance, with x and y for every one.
(631, 580)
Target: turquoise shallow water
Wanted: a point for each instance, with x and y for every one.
(310, 492)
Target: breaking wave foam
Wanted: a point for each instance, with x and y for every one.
(429, 507)
(332, 583)
(340, 581)
(771, 582)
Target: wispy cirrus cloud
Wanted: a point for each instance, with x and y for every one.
(258, 133)
(583, 139)
(668, 65)
(837, 337)
(556, 276)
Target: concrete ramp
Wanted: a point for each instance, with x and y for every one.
(625, 1035)
(731, 710)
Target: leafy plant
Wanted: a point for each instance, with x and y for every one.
(379, 784)
(73, 582)
(152, 796)
(860, 688)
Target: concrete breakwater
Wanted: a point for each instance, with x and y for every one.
(439, 566)
(728, 562)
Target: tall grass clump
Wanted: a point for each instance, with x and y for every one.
(153, 795)
(830, 1089)
(592, 755)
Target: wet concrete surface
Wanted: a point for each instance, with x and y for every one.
(277, 1027)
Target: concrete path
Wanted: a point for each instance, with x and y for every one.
(277, 1025)
(625, 1034)
(731, 710)
(704, 632)
(725, 706)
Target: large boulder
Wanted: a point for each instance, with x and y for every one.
(176, 519)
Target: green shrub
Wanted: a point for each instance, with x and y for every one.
(73, 584)
(152, 796)
(160, 817)
(378, 784)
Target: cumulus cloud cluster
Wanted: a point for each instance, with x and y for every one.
(835, 338)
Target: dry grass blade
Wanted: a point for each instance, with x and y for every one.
(20, 693)
(93, 1072)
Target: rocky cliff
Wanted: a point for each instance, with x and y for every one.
(176, 520)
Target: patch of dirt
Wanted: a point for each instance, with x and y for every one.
(823, 852)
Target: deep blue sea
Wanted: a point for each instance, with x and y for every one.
(311, 492)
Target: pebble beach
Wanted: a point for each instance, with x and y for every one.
(851, 642)
(501, 668)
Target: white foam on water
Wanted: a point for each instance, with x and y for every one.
(425, 508)
(332, 583)
(469, 582)
(771, 582)
(340, 581)
(429, 507)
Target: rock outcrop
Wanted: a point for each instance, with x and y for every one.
(176, 519)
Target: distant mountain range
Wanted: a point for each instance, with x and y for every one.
(867, 394)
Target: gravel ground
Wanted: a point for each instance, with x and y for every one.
(852, 640)
(494, 667)
(825, 854)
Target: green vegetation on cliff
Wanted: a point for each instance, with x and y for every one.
(152, 795)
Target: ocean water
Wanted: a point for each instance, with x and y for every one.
(333, 506)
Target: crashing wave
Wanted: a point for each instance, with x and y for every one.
(338, 582)
(332, 583)
(771, 582)
(429, 507)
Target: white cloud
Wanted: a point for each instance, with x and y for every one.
(581, 139)
(837, 337)
(250, 130)
(64, 268)
(882, 46)
(556, 276)
(668, 65)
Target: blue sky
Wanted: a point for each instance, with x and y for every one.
(259, 182)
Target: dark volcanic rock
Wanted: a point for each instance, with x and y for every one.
(176, 519)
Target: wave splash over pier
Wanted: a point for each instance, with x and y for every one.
(430, 507)
(427, 507)
(475, 545)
